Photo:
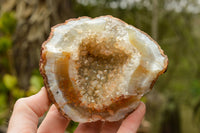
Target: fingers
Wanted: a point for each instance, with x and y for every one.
(129, 125)
(111, 127)
(132, 122)
(90, 127)
(53, 120)
(27, 111)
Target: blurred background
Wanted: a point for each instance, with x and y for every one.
(174, 104)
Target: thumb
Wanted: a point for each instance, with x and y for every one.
(27, 111)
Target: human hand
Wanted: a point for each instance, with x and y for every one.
(27, 111)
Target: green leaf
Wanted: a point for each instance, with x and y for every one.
(72, 126)
(144, 99)
(5, 43)
(8, 23)
(9, 81)
(36, 81)
(17, 93)
(32, 90)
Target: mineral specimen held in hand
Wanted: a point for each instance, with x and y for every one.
(98, 69)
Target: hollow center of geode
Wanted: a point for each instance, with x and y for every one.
(99, 72)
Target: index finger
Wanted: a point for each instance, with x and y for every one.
(27, 111)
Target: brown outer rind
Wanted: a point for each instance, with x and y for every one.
(43, 59)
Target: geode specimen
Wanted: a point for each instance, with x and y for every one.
(98, 69)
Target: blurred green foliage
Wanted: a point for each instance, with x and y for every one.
(8, 23)
(36, 82)
(9, 81)
(5, 44)
(9, 89)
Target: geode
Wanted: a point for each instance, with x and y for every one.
(98, 69)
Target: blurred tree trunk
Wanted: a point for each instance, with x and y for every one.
(171, 121)
(34, 17)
